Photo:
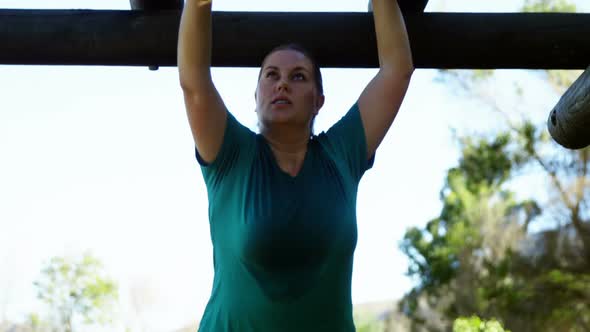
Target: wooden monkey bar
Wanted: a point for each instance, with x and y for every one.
(241, 39)
(569, 121)
(147, 36)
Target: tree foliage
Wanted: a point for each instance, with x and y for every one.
(476, 324)
(548, 6)
(480, 256)
(76, 290)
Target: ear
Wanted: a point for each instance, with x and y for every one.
(319, 103)
(255, 97)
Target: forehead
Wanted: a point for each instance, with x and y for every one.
(287, 59)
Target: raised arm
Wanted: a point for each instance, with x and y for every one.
(383, 96)
(206, 112)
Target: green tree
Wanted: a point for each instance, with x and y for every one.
(479, 256)
(480, 224)
(76, 290)
(475, 324)
(369, 327)
(549, 6)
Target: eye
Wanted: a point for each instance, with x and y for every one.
(299, 77)
(271, 73)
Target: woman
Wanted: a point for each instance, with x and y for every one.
(282, 204)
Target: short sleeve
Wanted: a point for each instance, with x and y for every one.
(347, 142)
(238, 143)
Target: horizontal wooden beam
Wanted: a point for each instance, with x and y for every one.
(569, 121)
(156, 5)
(241, 39)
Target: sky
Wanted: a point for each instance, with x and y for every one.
(101, 159)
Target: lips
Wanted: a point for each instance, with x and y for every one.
(281, 101)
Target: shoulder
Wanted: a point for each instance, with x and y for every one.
(345, 142)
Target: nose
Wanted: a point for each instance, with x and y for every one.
(283, 85)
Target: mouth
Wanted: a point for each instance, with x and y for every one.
(281, 101)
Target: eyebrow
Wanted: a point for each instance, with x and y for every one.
(294, 69)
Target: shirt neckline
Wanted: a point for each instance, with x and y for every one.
(275, 163)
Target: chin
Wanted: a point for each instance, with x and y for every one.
(278, 116)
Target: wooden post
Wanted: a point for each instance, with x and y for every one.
(569, 121)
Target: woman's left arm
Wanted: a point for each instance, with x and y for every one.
(383, 96)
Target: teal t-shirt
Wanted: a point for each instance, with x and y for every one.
(283, 246)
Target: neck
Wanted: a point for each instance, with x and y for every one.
(286, 139)
(289, 146)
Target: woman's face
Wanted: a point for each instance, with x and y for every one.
(286, 91)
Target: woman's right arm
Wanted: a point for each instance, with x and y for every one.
(206, 111)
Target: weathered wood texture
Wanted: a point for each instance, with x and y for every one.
(241, 39)
(569, 121)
